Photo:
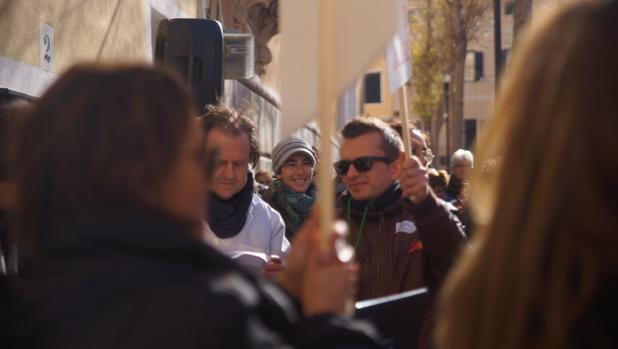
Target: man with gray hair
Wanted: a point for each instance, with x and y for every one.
(462, 163)
(292, 193)
(238, 222)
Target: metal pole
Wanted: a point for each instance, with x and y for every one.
(405, 126)
(497, 43)
(445, 116)
(326, 121)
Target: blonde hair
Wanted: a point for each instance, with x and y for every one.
(547, 215)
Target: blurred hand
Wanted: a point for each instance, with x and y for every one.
(273, 267)
(324, 281)
(329, 285)
(291, 277)
(413, 179)
(330, 280)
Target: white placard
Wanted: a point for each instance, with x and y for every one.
(359, 31)
(399, 52)
(46, 45)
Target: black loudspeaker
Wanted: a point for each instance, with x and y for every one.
(194, 48)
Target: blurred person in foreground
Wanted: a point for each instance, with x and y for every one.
(293, 193)
(110, 200)
(543, 268)
(12, 115)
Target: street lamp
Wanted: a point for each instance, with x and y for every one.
(446, 83)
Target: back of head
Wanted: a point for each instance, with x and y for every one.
(437, 178)
(99, 138)
(548, 214)
(264, 177)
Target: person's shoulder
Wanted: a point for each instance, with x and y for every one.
(269, 192)
(264, 207)
(202, 286)
(341, 200)
(269, 196)
(257, 200)
(180, 309)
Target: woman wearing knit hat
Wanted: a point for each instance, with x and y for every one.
(293, 192)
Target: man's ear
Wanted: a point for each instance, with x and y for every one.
(396, 165)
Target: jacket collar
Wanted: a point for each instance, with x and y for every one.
(387, 203)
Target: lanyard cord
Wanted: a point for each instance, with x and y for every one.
(362, 224)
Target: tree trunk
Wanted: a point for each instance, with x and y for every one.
(436, 125)
(456, 95)
(522, 12)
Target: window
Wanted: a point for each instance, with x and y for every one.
(373, 88)
(469, 133)
(475, 66)
(478, 66)
(506, 55)
(508, 8)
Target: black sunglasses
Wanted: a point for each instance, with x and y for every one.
(362, 164)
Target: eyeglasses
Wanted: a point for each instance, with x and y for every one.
(415, 150)
(362, 164)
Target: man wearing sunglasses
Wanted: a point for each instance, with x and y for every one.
(405, 238)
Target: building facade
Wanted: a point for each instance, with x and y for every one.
(43, 38)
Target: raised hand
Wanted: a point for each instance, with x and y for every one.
(413, 179)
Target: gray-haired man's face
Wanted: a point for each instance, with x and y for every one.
(230, 173)
(461, 169)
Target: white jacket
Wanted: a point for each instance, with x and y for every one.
(263, 232)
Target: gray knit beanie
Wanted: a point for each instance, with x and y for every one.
(288, 147)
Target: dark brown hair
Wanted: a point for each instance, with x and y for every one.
(437, 179)
(12, 115)
(399, 129)
(102, 137)
(391, 142)
(428, 153)
(231, 122)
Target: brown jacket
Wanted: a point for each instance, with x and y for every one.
(404, 247)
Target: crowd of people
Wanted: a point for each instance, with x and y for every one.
(129, 218)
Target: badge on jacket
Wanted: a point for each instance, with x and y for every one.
(406, 226)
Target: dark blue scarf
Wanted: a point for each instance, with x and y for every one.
(227, 217)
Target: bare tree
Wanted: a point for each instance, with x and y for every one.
(463, 19)
(441, 32)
